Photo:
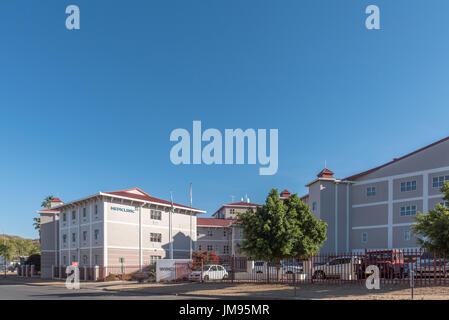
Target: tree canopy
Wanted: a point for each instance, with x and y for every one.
(281, 229)
(432, 228)
(16, 248)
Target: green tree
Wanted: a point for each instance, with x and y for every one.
(16, 248)
(281, 229)
(432, 228)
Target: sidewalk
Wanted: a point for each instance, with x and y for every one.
(36, 281)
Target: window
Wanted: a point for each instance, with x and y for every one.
(154, 258)
(232, 211)
(96, 260)
(156, 237)
(96, 209)
(96, 234)
(225, 249)
(84, 212)
(199, 247)
(73, 258)
(210, 247)
(314, 206)
(364, 237)
(156, 215)
(408, 186)
(224, 233)
(407, 235)
(445, 203)
(437, 182)
(73, 237)
(64, 238)
(210, 233)
(84, 259)
(370, 191)
(84, 235)
(64, 217)
(408, 211)
(73, 215)
(64, 260)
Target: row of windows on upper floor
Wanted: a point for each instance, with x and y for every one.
(154, 214)
(96, 236)
(406, 186)
(210, 233)
(437, 182)
(84, 213)
(154, 237)
(407, 235)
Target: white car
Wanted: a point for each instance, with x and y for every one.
(263, 267)
(341, 268)
(210, 272)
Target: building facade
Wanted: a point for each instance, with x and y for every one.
(101, 229)
(230, 210)
(221, 234)
(375, 209)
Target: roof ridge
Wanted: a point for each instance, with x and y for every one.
(363, 173)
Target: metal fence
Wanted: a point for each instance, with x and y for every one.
(391, 266)
(109, 273)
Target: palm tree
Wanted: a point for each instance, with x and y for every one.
(45, 204)
(37, 225)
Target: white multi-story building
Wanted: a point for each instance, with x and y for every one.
(100, 229)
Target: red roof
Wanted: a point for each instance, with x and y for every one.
(145, 196)
(48, 211)
(285, 193)
(242, 203)
(353, 177)
(56, 200)
(214, 222)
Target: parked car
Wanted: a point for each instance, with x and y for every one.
(285, 267)
(429, 266)
(210, 272)
(341, 268)
(227, 267)
(390, 263)
(291, 267)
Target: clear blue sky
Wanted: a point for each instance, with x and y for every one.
(90, 110)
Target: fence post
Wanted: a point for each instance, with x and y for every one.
(232, 269)
(96, 273)
(202, 271)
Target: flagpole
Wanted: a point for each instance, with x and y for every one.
(191, 239)
(170, 230)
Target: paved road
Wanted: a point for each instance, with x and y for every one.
(19, 291)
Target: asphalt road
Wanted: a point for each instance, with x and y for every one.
(20, 291)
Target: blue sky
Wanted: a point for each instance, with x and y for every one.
(90, 110)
